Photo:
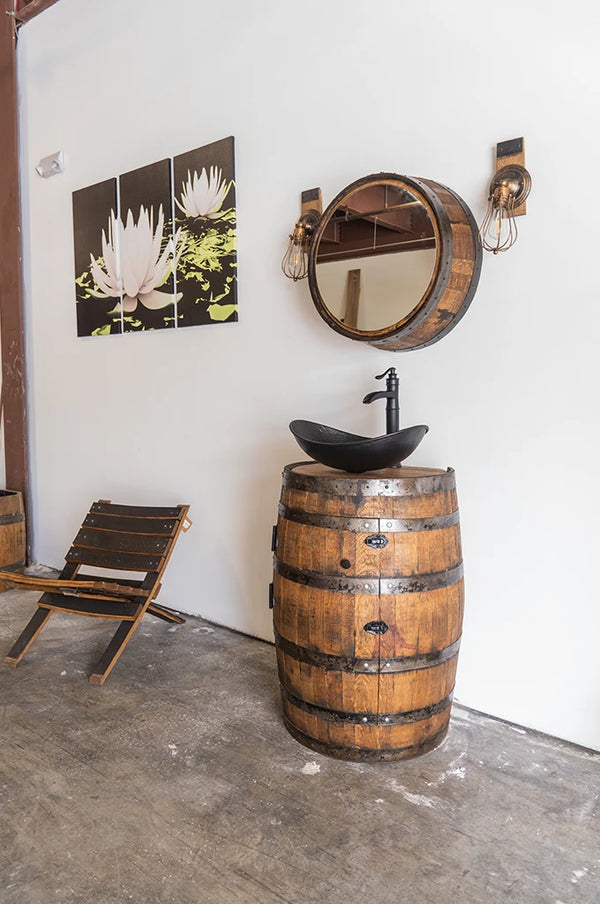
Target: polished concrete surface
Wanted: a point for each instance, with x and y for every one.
(176, 783)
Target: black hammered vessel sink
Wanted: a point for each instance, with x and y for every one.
(349, 452)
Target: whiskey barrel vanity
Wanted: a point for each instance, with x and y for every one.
(367, 603)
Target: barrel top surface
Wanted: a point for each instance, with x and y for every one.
(310, 476)
(314, 469)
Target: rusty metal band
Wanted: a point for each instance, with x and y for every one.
(14, 566)
(365, 754)
(333, 715)
(357, 486)
(331, 662)
(416, 583)
(368, 525)
(16, 518)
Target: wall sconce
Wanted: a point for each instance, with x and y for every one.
(509, 189)
(295, 259)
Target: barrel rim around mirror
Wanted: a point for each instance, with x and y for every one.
(455, 275)
(441, 270)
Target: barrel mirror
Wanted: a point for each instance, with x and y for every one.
(394, 261)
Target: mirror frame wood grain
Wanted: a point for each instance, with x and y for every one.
(455, 274)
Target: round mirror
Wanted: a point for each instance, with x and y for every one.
(383, 261)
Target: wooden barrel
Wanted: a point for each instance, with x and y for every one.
(12, 533)
(367, 603)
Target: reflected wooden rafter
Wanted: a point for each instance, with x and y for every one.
(352, 299)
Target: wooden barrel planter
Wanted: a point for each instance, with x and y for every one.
(367, 604)
(12, 533)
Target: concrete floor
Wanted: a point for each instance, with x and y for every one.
(176, 782)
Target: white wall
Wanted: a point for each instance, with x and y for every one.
(200, 415)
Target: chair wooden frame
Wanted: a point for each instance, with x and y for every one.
(121, 538)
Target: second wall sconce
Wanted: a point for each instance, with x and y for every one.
(295, 259)
(509, 189)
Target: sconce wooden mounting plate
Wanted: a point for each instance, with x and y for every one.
(432, 219)
(508, 153)
(311, 200)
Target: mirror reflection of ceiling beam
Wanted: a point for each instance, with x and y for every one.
(376, 219)
(391, 217)
(364, 236)
(338, 254)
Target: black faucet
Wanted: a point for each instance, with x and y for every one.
(392, 408)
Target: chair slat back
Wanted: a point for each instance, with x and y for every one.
(129, 538)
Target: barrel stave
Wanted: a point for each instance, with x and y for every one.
(421, 623)
(406, 692)
(419, 506)
(331, 691)
(322, 621)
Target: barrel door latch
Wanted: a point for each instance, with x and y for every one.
(272, 600)
(376, 627)
(376, 541)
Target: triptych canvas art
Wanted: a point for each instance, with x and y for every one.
(155, 248)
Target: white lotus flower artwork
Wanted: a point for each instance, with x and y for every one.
(202, 195)
(133, 265)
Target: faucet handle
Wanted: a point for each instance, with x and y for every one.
(390, 370)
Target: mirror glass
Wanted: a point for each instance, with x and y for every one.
(376, 256)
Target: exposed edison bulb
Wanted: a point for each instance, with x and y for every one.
(501, 231)
(508, 189)
(295, 259)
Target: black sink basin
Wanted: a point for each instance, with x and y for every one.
(349, 452)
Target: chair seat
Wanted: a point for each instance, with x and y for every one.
(119, 538)
(90, 605)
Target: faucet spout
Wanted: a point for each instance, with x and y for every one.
(378, 394)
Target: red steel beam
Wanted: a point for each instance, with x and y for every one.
(11, 311)
(30, 9)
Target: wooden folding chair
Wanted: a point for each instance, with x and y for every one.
(119, 537)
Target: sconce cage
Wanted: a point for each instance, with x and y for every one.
(509, 188)
(295, 259)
